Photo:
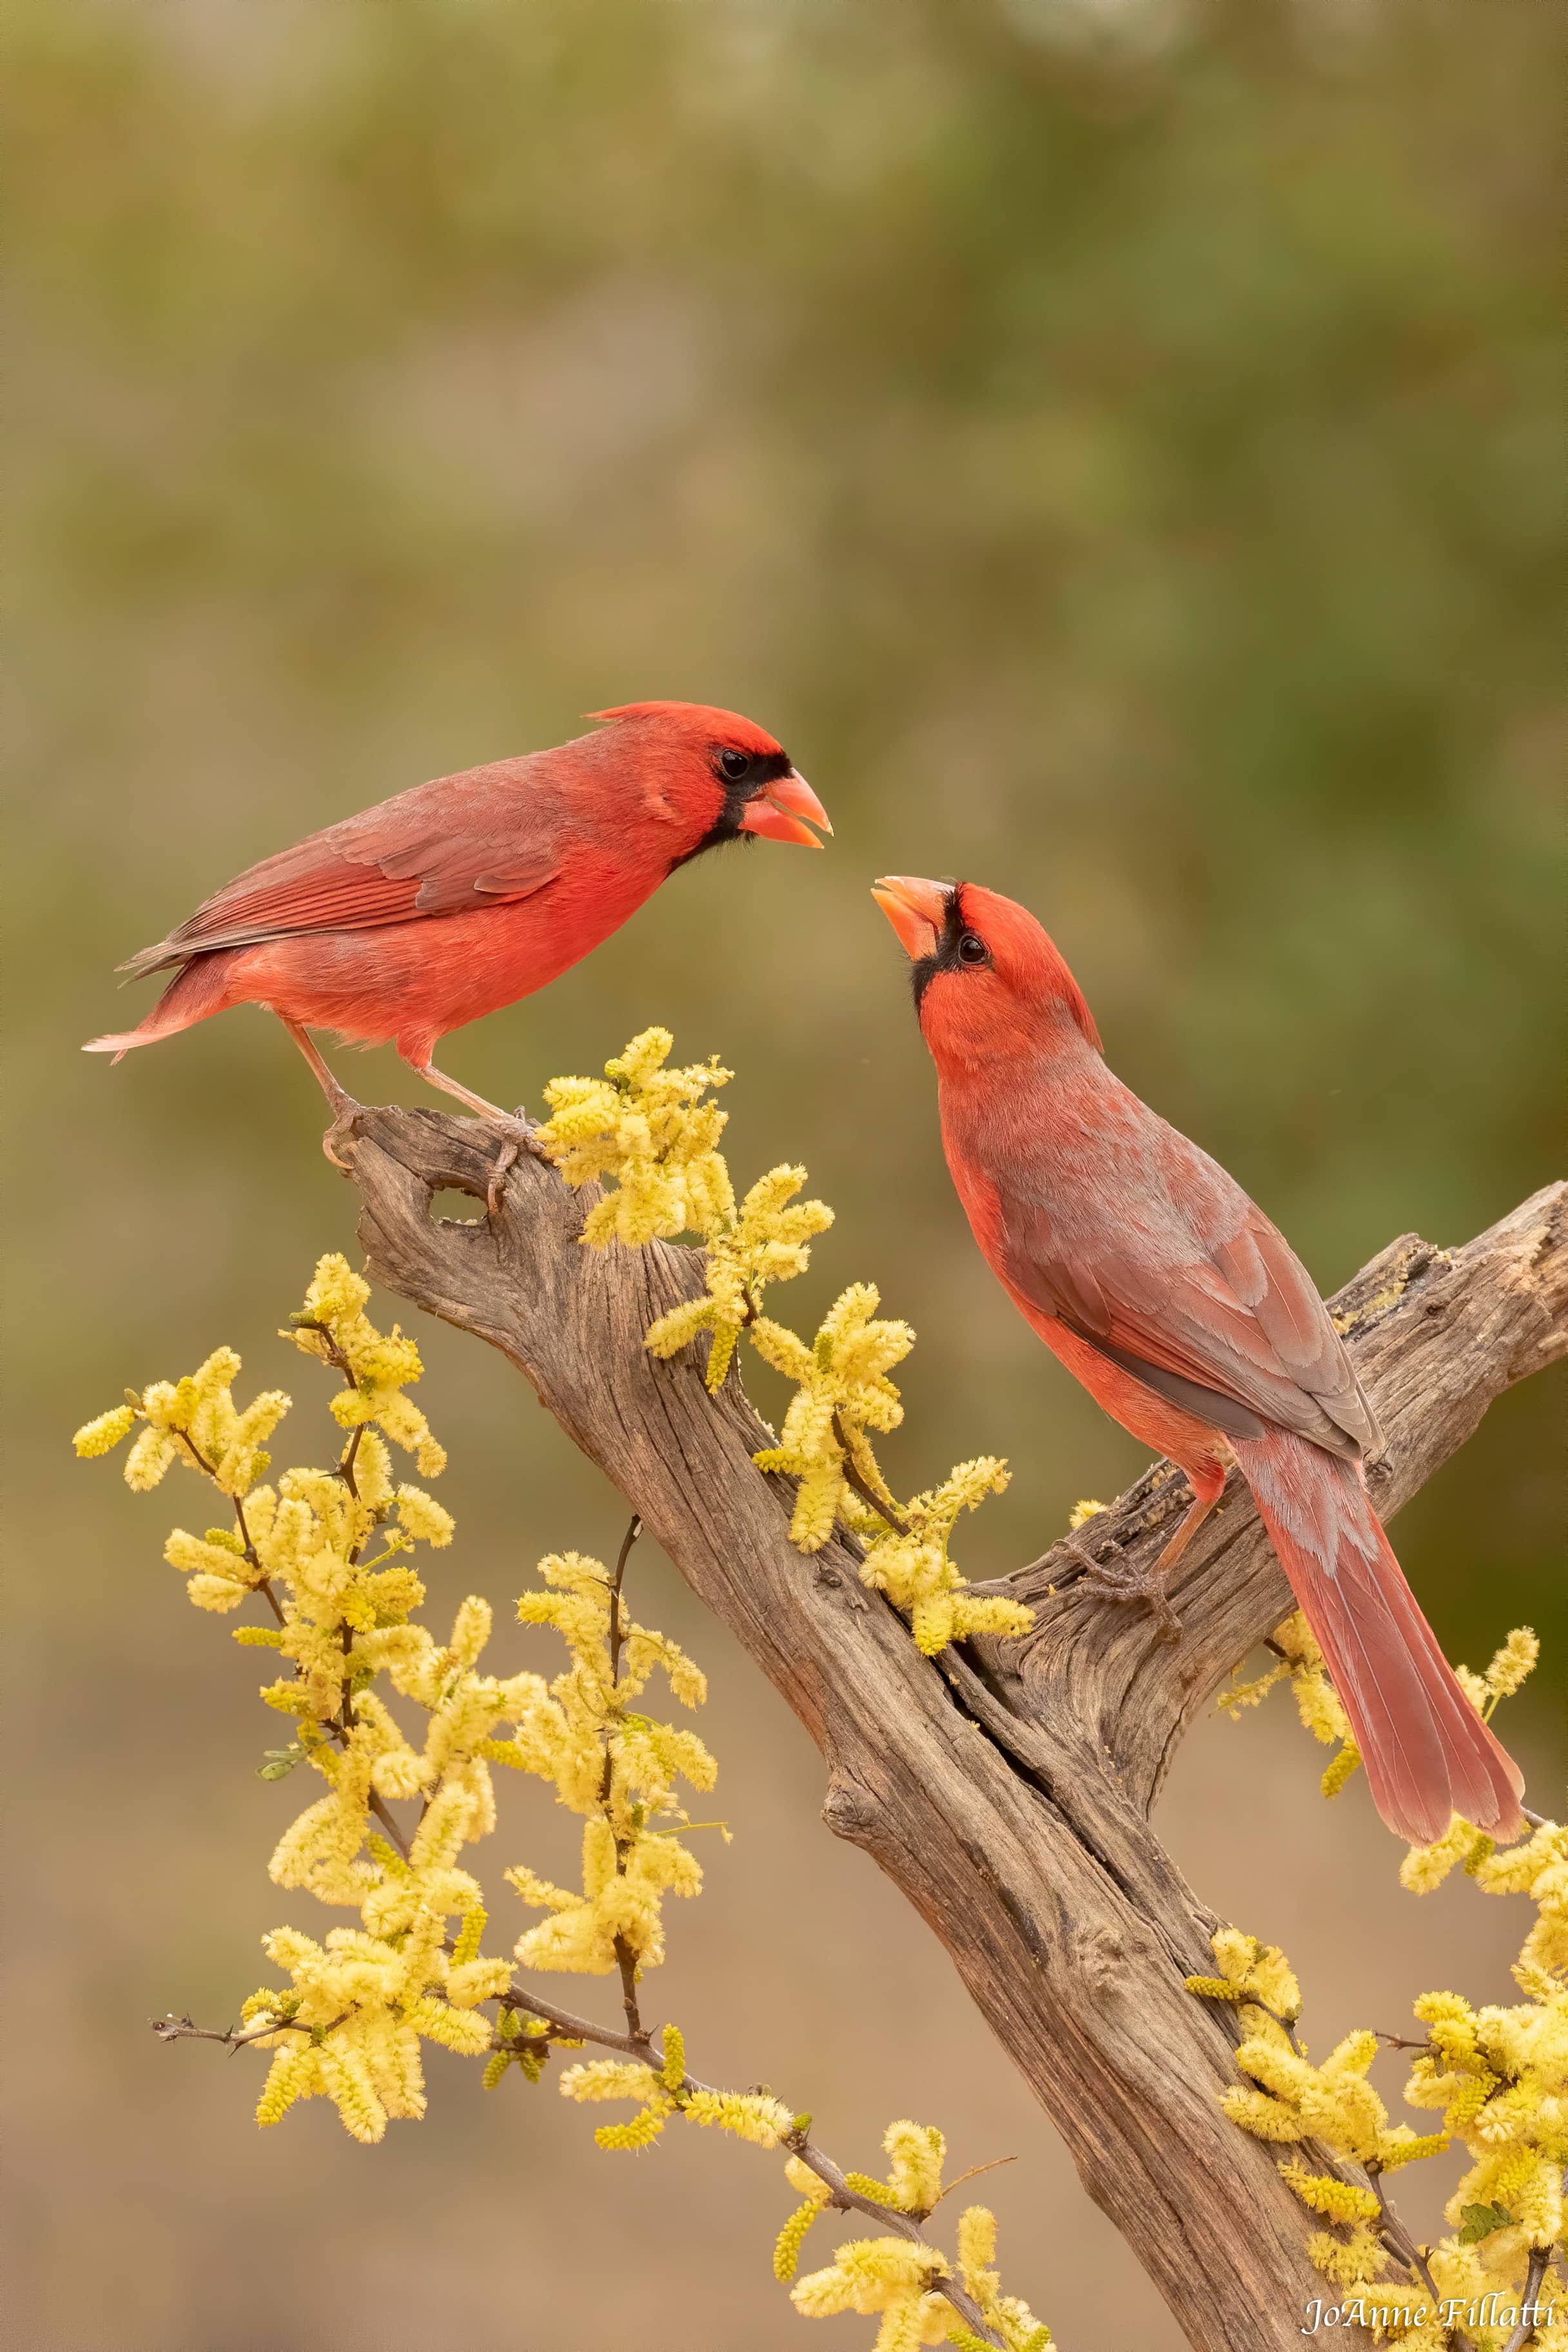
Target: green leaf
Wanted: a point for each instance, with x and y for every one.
(1481, 2220)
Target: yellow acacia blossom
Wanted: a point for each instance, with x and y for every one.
(901, 2281)
(327, 1549)
(1251, 1972)
(1497, 2075)
(1288, 2100)
(365, 2004)
(379, 1366)
(754, 2116)
(1334, 2103)
(647, 1127)
(842, 1389)
(814, 2194)
(329, 1553)
(1008, 2313)
(911, 1564)
(891, 2276)
(614, 1765)
(1299, 1662)
(766, 1240)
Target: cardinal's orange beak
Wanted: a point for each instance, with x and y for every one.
(777, 809)
(916, 909)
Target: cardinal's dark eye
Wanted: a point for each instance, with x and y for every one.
(734, 765)
(972, 949)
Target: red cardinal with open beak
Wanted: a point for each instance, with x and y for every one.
(463, 895)
(1188, 1316)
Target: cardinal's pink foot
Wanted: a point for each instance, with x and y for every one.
(516, 1126)
(520, 1136)
(1111, 1580)
(345, 1110)
(348, 1116)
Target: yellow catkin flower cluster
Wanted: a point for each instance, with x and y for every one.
(1287, 2099)
(814, 2193)
(1300, 1663)
(754, 2116)
(1334, 2103)
(1251, 1972)
(519, 2040)
(842, 1389)
(1499, 2076)
(327, 1549)
(891, 2276)
(614, 1766)
(914, 1571)
(194, 1421)
(369, 2003)
(379, 1366)
(648, 1127)
(896, 2279)
(766, 1240)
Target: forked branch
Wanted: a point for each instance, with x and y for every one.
(1006, 1794)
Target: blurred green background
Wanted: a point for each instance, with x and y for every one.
(1114, 445)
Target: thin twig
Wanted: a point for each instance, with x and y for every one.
(1250, 2001)
(627, 1540)
(253, 1558)
(346, 1466)
(626, 1959)
(332, 1354)
(973, 2173)
(563, 2026)
(180, 2029)
(1529, 2314)
(1284, 2023)
(379, 1807)
(1400, 2242)
(868, 1494)
(889, 2217)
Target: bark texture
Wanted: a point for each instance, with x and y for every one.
(1007, 1792)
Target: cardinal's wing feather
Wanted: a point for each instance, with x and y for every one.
(471, 840)
(1192, 1290)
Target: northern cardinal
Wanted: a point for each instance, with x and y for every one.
(1188, 1316)
(456, 897)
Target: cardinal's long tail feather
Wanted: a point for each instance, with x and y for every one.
(197, 989)
(1426, 1752)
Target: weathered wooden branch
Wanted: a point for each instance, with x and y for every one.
(1006, 1794)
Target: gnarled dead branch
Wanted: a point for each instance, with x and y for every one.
(1006, 1794)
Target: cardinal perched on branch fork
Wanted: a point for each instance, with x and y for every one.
(453, 900)
(1189, 1317)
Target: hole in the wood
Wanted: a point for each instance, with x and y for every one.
(451, 1206)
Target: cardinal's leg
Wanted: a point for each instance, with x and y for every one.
(1115, 1581)
(345, 1110)
(517, 1127)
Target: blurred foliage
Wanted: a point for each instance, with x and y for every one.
(1115, 445)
